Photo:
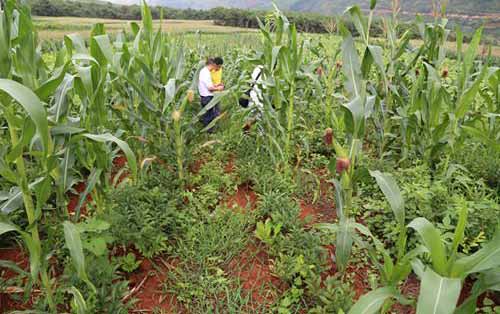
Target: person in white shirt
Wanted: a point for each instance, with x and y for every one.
(255, 101)
(256, 92)
(206, 89)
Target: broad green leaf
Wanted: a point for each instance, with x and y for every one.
(467, 98)
(169, 93)
(418, 268)
(472, 49)
(486, 258)
(61, 104)
(392, 193)
(359, 21)
(102, 49)
(339, 199)
(13, 266)
(327, 226)
(131, 160)
(378, 57)
(96, 245)
(35, 251)
(78, 302)
(438, 295)
(351, 67)
(344, 243)
(43, 191)
(147, 20)
(30, 102)
(5, 60)
(431, 238)
(149, 104)
(14, 199)
(65, 130)
(215, 101)
(86, 58)
(459, 231)
(482, 136)
(76, 42)
(371, 302)
(74, 244)
(6, 172)
(355, 116)
(489, 280)
(91, 182)
(7, 227)
(45, 91)
(28, 133)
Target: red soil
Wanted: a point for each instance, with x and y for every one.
(15, 255)
(253, 266)
(253, 269)
(244, 198)
(118, 164)
(411, 290)
(74, 199)
(316, 213)
(195, 167)
(360, 275)
(322, 210)
(230, 166)
(19, 257)
(149, 283)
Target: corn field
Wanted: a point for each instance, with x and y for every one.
(367, 181)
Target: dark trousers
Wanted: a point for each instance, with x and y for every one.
(212, 113)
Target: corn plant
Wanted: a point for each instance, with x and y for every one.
(432, 116)
(357, 110)
(392, 271)
(282, 59)
(19, 95)
(442, 280)
(37, 158)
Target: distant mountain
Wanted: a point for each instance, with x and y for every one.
(465, 7)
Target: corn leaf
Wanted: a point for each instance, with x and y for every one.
(78, 302)
(131, 160)
(30, 102)
(438, 295)
(392, 193)
(431, 238)
(7, 227)
(486, 258)
(371, 302)
(339, 199)
(344, 243)
(74, 244)
(489, 280)
(61, 104)
(351, 67)
(467, 98)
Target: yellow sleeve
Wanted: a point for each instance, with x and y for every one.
(216, 77)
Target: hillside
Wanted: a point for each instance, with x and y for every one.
(331, 7)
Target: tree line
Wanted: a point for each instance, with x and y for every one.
(305, 22)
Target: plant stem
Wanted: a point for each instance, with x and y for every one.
(290, 123)
(30, 212)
